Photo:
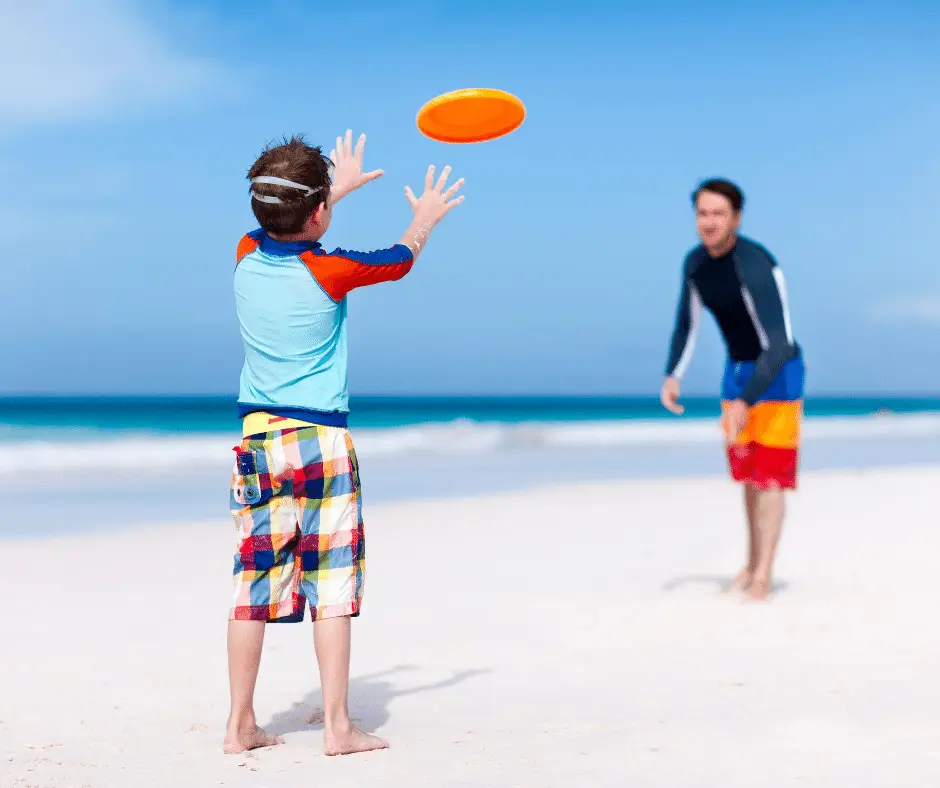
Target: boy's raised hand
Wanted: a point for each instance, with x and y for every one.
(435, 203)
(430, 208)
(347, 172)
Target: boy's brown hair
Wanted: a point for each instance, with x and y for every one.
(294, 160)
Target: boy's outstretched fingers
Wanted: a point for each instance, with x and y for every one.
(431, 207)
(455, 187)
(357, 155)
(445, 174)
(347, 166)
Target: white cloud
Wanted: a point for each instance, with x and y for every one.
(63, 59)
(914, 307)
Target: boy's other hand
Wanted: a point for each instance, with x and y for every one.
(435, 203)
(347, 172)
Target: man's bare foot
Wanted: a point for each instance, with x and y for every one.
(759, 589)
(253, 738)
(351, 740)
(742, 582)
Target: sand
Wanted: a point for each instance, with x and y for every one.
(565, 636)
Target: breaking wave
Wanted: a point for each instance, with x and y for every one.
(83, 450)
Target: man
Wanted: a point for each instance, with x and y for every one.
(295, 495)
(740, 283)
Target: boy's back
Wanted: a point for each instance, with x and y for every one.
(290, 297)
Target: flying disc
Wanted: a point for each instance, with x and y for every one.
(471, 115)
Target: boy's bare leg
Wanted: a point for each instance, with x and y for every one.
(769, 510)
(245, 639)
(331, 639)
(743, 581)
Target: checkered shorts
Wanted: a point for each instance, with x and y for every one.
(298, 514)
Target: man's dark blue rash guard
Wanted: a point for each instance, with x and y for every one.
(746, 293)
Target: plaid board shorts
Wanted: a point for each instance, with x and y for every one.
(295, 499)
(766, 453)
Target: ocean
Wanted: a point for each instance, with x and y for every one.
(45, 426)
(80, 464)
(22, 417)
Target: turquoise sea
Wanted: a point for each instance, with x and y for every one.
(80, 464)
(25, 418)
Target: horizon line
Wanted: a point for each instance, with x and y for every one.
(4, 397)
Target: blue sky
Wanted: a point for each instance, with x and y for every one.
(125, 138)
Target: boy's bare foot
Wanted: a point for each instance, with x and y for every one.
(253, 738)
(351, 740)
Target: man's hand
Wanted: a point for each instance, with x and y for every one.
(734, 419)
(669, 396)
(347, 172)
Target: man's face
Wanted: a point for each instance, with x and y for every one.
(715, 220)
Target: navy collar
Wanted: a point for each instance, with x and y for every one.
(282, 248)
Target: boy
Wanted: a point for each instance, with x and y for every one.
(295, 494)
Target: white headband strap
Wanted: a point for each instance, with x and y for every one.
(279, 182)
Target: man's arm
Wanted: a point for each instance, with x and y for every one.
(685, 331)
(764, 293)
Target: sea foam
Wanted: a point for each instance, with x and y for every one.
(138, 451)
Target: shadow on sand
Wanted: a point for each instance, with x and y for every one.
(723, 582)
(369, 700)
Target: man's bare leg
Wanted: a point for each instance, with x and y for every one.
(769, 510)
(743, 581)
(331, 639)
(245, 639)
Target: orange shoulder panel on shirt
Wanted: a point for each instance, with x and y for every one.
(330, 272)
(245, 247)
(338, 275)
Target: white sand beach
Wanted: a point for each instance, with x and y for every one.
(562, 636)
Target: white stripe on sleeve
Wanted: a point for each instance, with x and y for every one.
(695, 316)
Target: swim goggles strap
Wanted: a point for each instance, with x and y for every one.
(279, 182)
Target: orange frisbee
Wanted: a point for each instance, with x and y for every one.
(471, 115)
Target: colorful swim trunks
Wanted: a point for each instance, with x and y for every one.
(766, 453)
(295, 499)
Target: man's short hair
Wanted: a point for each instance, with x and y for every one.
(293, 160)
(723, 187)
